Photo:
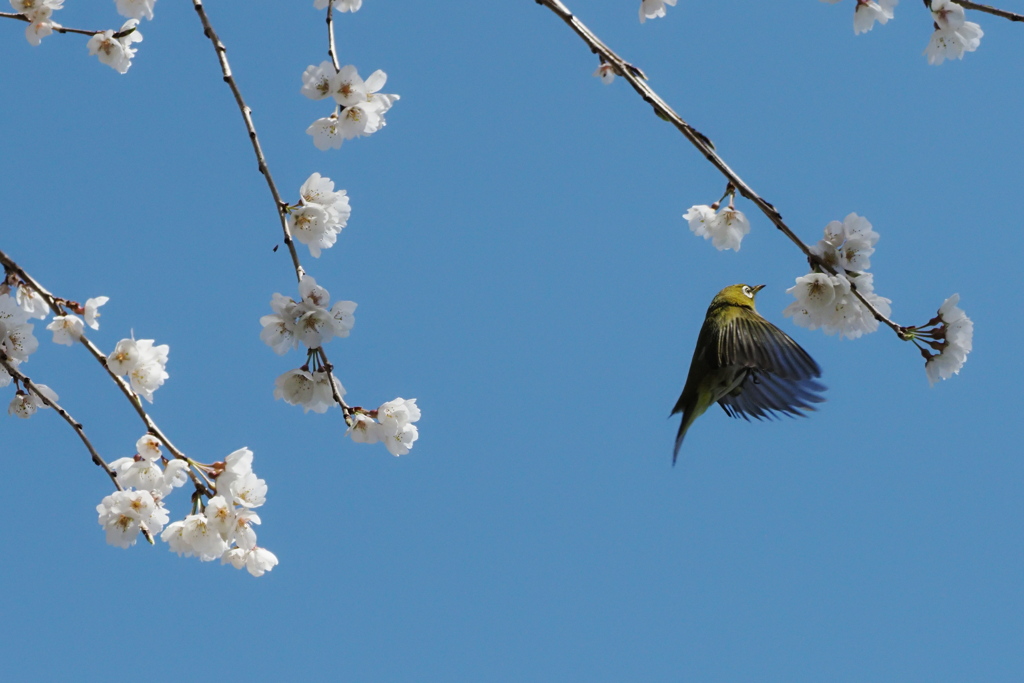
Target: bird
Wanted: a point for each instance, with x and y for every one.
(745, 364)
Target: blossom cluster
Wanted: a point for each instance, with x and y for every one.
(143, 363)
(827, 301)
(221, 529)
(652, 9)
(17, 341)
(360, 106)
(953, 35)
(394, 425)
(953, 333)
(308, 321)
(725, 228)
(320, 214)
(113, 48)
(39, 14)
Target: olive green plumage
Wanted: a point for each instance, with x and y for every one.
(745, 364)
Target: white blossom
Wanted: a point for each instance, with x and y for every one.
(5, 377)
(396, 428)
(650, 9)
(606, 72)
(220, 516)
(135, 9)
(149, 372)
(364, 429)
(16, 339)
(310, 224)
(279, 328)
(116, 52)
(347, 87)
(248, 491)
(295, 387)
(148, 447)
(958, 331)
(868, 12)
(947, 43)
(725, 229)
(317, 80)
(139, 473)
(124, 357)
(327, 133)
(38, 29)
(67, 329)
(321, 215)
(948, 14)
(32, 302)
(194, 536)
(25, 405)
(123, 514)
(92, 312)
(340, 5)
(257, 560)
(236, 465)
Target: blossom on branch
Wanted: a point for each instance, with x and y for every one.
(394, 425)
(116, 52)
(320, 215)
(123, 514)
(92, 307)
(38, 13)
(606, 73)
(361, 105)
(828, 301)
(26, 403)
(143, 362)
(340, 5)
(868, 12)
(954, 335)
(16, 338)
(67, 329)
(651, 9)
(135, 9)
(725, 229)
(308, 321)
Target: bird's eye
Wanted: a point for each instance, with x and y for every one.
(748, 292)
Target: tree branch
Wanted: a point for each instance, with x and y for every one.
(250, 127)
(637, 80)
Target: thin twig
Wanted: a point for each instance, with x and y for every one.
(56, 27)
(75, 424)
(225, 67)
(990, 10)
(279, 204)
(332, 50)
(13, 371)
(11, 266)
(702, 143)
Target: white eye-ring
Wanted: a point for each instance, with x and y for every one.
(748, 292)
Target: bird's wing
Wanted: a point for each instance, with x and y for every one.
(780, 375)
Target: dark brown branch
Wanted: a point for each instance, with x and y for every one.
(990, 10)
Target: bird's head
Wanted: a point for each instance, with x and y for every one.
(738, 295)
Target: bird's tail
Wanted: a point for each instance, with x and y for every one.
(688, 418)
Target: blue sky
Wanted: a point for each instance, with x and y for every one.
(521, 266)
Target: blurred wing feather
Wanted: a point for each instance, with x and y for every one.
(780, 376)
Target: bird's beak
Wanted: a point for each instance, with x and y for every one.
(758, 288)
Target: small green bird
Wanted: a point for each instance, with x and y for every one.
(747, 365)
